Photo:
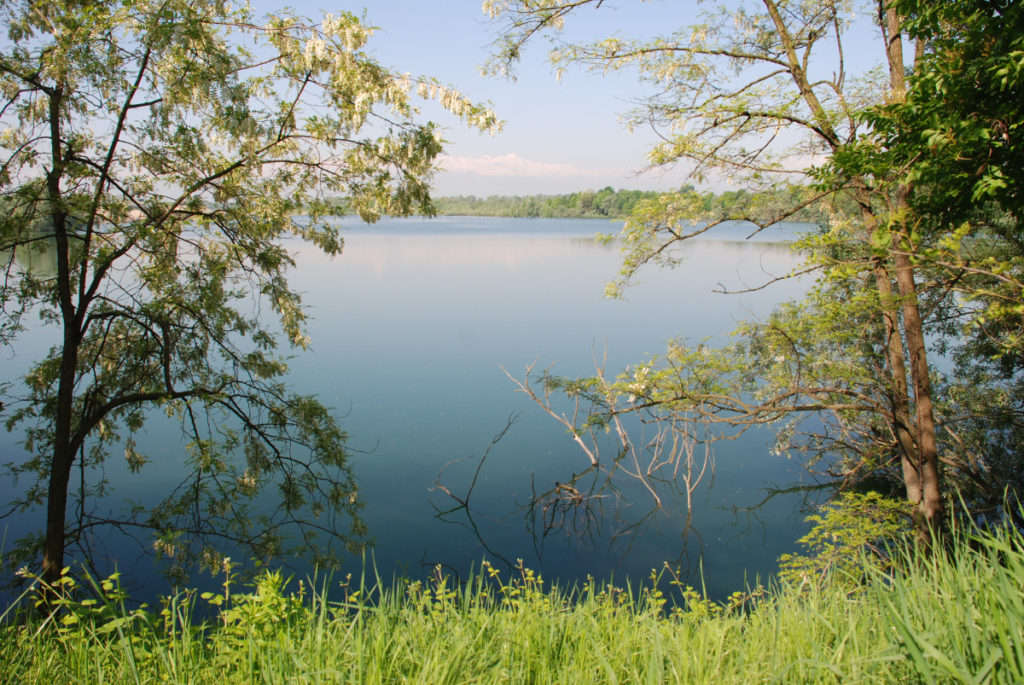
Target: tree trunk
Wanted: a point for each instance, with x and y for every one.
(56, 511)
(902, 426)
(63, 447)
(919, 461)
(929, 510)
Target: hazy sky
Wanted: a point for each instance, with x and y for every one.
(559, 136)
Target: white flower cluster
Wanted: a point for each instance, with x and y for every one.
(353, 35)
(640, 383)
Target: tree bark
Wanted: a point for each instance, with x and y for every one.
(902, 425)
(63, 447)
(928, 511)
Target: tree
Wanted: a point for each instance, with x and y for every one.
(956, 139)
(160, 152)
(759, 92)
(955, 142)
(958, 130)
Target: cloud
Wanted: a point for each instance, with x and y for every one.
(514, 165)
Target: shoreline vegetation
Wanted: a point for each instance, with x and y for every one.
(609, 203)
(948, 617)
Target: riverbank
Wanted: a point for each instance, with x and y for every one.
(950, 618)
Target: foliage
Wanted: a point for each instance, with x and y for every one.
(620, 204)
(762, 93)
(960, 617)
(958, 134)
(955, 617)
(958, 138)
(952, 147)
(153, 157)
(606, 202)
(853, 530)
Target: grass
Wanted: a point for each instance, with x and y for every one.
(951, 618)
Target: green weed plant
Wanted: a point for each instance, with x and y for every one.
(950, 617)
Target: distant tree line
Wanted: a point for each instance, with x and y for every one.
(619, 204)
(609, 203)
(604, 203)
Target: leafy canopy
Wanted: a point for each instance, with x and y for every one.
(154, 158)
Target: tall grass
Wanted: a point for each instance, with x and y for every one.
(949, 618)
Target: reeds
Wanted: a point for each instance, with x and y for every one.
(955, 617)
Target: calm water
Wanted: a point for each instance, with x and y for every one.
(411, 328)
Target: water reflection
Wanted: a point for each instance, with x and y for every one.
(33, 247)
(412, 326)
(421, 323)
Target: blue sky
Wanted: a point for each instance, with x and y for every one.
(559, 136)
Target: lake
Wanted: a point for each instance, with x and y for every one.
(412, 327)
